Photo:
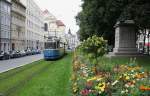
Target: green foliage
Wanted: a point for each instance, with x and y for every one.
(98, 17)
(94, 47)
(139, 11)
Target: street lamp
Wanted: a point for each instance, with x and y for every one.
(148, 41)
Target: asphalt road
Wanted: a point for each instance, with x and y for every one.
(6, 65)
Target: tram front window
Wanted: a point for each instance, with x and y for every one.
(51, 45)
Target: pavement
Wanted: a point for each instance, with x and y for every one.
(6, 65)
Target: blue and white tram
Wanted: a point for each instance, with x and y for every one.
(53, 49)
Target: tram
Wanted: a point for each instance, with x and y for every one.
(54, 49)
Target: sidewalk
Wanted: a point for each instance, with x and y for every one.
(6, 65)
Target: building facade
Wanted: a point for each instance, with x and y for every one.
(71, 40)
(60, 29)
(55, 28)
(34, 25)
(143, 44)
(5, 24)
(18, 14)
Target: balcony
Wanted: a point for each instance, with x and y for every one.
(18, 22)
(17, 10)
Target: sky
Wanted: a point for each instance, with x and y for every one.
(64, 10)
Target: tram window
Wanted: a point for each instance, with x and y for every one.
(58, 44)
(61, 45)
(50, 45)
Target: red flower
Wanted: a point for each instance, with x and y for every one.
(85, 92)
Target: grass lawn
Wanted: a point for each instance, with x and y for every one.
(41, 78)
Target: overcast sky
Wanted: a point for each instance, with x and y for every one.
(65, 10)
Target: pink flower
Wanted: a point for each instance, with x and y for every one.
(85, 92)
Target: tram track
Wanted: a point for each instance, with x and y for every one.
(43, 79)
(16, 71)
(13, 88)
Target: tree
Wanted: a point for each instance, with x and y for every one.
(98, 17)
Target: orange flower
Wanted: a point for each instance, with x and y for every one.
(139, 76)
(144, 88)
(89, 84)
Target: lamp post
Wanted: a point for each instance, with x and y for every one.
(148, 42)
(55, 34)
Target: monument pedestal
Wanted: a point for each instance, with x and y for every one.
(125, 39)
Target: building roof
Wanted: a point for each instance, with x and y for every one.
(60, 23)
(47, 15)
(45, 12)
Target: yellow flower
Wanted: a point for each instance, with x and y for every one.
(101, 87)
(125, 74)
(75, 90)
(99, 79)
(91, 79)
(120, 77)
(75, 87)
(127, 77)
(75, 84)
(134, 81)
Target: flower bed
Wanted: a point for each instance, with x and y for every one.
(121, 80)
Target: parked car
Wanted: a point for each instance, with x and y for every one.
(23, 53)
(18, 53)
(12, 54)
(4, 55)
(1, 55)
(28, 52)
(15, 54)
(33, 51)
(38, 51)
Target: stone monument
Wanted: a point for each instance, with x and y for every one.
(125, 39)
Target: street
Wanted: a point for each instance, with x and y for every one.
(6, 65)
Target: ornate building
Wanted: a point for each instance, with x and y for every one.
(71, 40)
(18, 14)
(5, 22)
(55, 28)
(60, 28)
(34, 25)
